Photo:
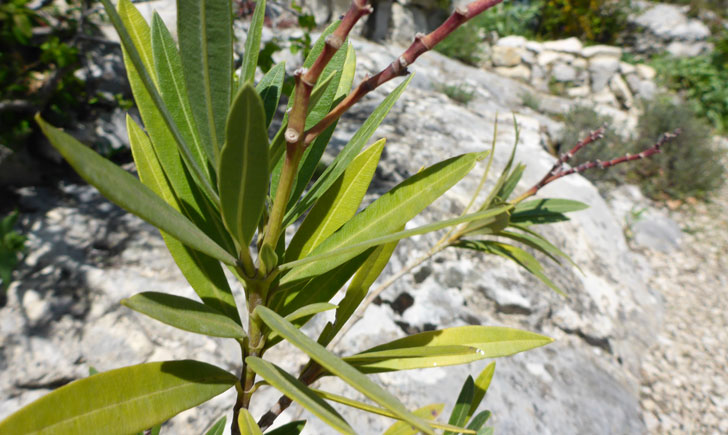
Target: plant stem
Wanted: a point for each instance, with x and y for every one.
(283, 194)
(421, 44)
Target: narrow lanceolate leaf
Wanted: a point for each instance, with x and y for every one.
(154, 111)
(292, 428)
(184, 314)
(338, 205)
(518, 255)
(543, 211)
(352, 149)
(300, 393)
(357, 290)
(424, 229)
(459, 415)
(493, 341)
(389, 212)
(429, 412)
(127, 192)
(252, 44)
(482, 383)
(244, 166)
(247, 424)
(414, 358)
(172, 87)
(121, 401)
(218, 428)
(511, 182)
(204, 273)
(204, 29)
(336, 366)
(478, 421)
(269, 88)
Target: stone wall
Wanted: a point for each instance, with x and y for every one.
(568, 68)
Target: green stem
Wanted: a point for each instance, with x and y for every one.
(283, 194)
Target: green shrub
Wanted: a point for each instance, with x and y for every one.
(690, 164)
(591, 20)
(461, 92)
(464, 44)
(36, 68)
(511, 18)
(702, 80)
(579, 122)
(12, 245)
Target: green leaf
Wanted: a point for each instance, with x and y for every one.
(486, 430)
(539, 244)
(358, 289)
(544, 244)
(429, 412)
(338, 205)
(518, 255)
(479, 420)
(121, 401)
(292, 428)
(184, 314)
(387, 214)
(247, 424)
(298, 392)
(543, 211)
(244, 166)
(497, 188)
(319, 289)
(511, 182)
(204, 28)
(493, 341)
(339, 368)
(482, 383)
(123, 189)
(204, 273)
(270, 88)
(459, 414)
(154, 112)
(218, 428)
(252, 44)
(414, 358)
(172, 87)
(314, 258)
(350, 151)
(310, 310)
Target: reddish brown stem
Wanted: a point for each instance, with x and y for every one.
(557, 172)
(421, 44)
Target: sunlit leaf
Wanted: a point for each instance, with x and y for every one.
(493, 341)
(350, 151)
(338, 367)
(244, 166)
(185, 314)
(252, 44)
(173, 89)
(155, 114)
(355, 248)
(204, 273)
(387, 214)
(358, 289)
(300, 393)
(479, 420)
(481, 387)
(338, 205)
(130, 194)
(204, 28)
(247, 424)
(121, 401)
(429, 412)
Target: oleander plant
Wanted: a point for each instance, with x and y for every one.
(222, 193)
